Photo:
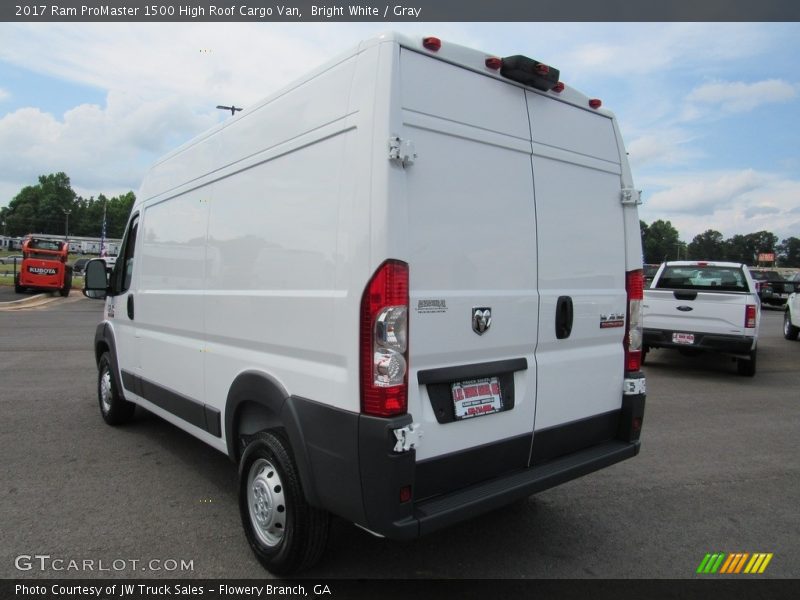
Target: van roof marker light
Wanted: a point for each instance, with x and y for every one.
(494, 63)
(431, 43)
(595, 103)
(557, 88)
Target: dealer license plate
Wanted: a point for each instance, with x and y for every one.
(683, 338)
(477, 397)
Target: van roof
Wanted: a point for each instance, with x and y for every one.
(462, 56)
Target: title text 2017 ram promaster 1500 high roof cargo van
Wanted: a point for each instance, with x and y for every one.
(404, 290)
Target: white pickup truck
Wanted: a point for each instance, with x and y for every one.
(696, 306)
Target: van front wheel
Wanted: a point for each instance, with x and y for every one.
(286, 534)
(114, 408)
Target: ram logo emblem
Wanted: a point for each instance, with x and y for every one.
(481, 319)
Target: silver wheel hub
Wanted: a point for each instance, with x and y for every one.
(105, 390)
(266, 502)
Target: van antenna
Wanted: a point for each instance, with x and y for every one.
(231, 108)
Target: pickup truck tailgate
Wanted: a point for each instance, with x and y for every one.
(705, 312)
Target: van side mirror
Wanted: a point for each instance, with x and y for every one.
(95, 282)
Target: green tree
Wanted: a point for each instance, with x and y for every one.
(709, 245)
(662, 242)
(789, 252)
(41, 208)
(739, 248)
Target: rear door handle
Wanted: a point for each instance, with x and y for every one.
(564, 314)
(130, 306)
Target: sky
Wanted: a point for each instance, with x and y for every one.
(710, 112)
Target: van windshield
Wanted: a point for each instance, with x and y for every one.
(715, 279)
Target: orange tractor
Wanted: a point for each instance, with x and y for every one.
(44, 266)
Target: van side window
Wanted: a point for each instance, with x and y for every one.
(126, 256)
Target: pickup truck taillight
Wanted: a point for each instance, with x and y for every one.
(750, 316)
(384, 341)
(634, 286)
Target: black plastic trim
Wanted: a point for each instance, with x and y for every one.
(383, 473)
(181, 406)
(574, 436)
(479, 499)
(104, 335)
(474, 371)
(461, 469)
(731, 344)
(331, 439)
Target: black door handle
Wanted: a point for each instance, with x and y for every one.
(130, 306)
(563, 317)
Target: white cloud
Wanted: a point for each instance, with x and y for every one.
(671, 146)
(100, 148)
(731, 202)
(737, 96)
(4, 95)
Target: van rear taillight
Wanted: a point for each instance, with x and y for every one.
(750, 316)
(634, 286)
(384, 341)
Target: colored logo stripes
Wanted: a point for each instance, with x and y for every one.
(734, 563)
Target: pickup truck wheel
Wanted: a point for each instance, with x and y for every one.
(286, 534)
(747, 367)
(114, 408)
(17, 287)
(645, 350)
(790, 332)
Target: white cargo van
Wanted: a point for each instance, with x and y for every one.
(405, 290)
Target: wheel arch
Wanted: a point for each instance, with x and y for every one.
(258, 402)
(104, 342)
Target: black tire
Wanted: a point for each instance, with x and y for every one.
(287, 535)
(645, 350)
(17, 287)
(113, 407)
(67, 283)
(790, 332)
(747, 367)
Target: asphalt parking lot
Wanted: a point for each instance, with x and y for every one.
(718, 471)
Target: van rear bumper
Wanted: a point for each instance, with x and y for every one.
(356, 474)
(475, 500)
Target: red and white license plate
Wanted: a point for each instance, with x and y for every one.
(683, 338)
(477, 397)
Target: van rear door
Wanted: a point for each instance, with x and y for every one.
(581, 276)
(472, 247)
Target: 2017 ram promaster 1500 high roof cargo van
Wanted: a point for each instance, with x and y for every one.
(405, 290)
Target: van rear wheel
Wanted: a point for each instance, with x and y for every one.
(114, 408)
(286, 534)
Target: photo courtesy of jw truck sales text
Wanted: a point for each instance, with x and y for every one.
(370, 304)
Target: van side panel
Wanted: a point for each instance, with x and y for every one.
(169, 295)
(273, 246)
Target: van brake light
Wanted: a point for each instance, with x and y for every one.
(383, 341)
(634, 286)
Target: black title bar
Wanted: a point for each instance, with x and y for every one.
(292, 11)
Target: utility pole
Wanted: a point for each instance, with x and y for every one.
(67, 212)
